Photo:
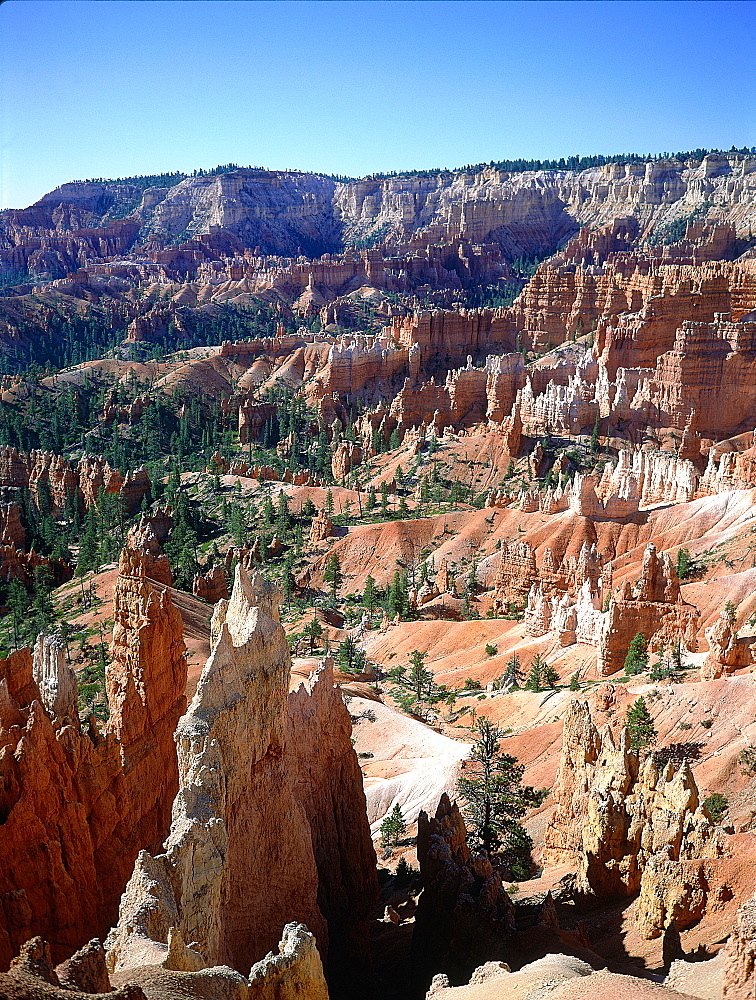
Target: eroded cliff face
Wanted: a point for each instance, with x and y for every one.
(739, 973)
(270, 823)
(67, 482)
(77, 805)
(290, 212)
(624, 818)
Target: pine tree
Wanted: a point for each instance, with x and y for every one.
(595, 436)
(368, 597)
(419, 678)
(496, 800)
(640, 725)
(684, 563)
(283, 518)
(333, 574)
(636, 660)
(512, 671)
(287, 577)
(313, 631)
(550, 676)
(393, 827)
(536, 674)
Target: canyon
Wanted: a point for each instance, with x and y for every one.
(304, 483)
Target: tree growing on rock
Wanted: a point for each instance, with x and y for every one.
(640, 725)
(636, 660)
(496, 800)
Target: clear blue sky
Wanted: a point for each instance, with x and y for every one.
(90, 89)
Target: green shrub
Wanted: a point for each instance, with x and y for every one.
(491, 650)
(747, 761)
(471, 684)
(707, 723)
(716, 805)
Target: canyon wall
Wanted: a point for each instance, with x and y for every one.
(77, 804)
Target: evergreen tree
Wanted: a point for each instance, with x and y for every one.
(496, 800)
(574, 682)
(684, 563)
(283, 518)
(333, 574)
(368, 596)
(393, 827)
(313, 632)
(550, 676)
(636, 660)
(535, 677)
(640, 725)
(595, 436)
(287, 577)
(512, 671)
(419, 677)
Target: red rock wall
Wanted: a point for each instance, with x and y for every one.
(77, 805)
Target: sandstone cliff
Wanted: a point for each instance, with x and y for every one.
(740, 961)
(270, 823)
(464, 915)
(77, 805)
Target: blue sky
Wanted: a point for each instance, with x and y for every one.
(112, 88)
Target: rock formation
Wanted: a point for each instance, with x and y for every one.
(464, 915)
(66, 482)
(211, 586)
(322, 528)
(739, 973)
(32, 975)
(270, 822)
(76, 806)
(153, 560)
(295, 972)
(656, 609)
(623, 817)
(727, 653)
